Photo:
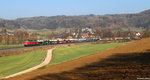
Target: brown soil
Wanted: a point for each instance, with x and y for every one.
(128, 62)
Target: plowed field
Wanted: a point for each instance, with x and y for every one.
(127, 62)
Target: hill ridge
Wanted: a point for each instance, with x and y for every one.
(141, 19)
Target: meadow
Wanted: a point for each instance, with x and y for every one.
(17, 63)
(70, 53)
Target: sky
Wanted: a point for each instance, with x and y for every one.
(12, 9)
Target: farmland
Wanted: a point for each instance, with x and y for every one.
(129, 62)
(24, 61)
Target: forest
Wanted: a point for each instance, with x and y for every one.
(139, 20)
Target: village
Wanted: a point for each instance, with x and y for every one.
(19, 36)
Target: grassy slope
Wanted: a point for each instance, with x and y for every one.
(41, 32)
(127, 29)
(13, 64)
(133, 29)
(10, 46)
(65, 54)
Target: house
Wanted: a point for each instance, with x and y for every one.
(138, 34)
(69, 37)
(118, 38)
(84, 35)
(87, 29)
(10, 33)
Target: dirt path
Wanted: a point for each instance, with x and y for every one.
(44, 63)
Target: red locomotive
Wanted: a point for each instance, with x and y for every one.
(30, 43)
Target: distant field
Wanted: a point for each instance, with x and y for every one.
(41, 32)
(70, 53)
(133, 29)
(10, 46)
(13, 64)
(63, 29)
(127, 29)
(48, 31)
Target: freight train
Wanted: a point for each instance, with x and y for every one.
(58, 41)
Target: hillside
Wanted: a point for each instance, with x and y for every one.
(141, 20)
(127, 62)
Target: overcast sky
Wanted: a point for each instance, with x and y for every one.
(12, 9)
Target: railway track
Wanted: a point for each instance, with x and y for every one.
(21, 48)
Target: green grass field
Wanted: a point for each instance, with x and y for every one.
(13, 64)
(127, 29)
(133, 29)
(10, 46)
(63, 29)
(41, 32)
(70, 53)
